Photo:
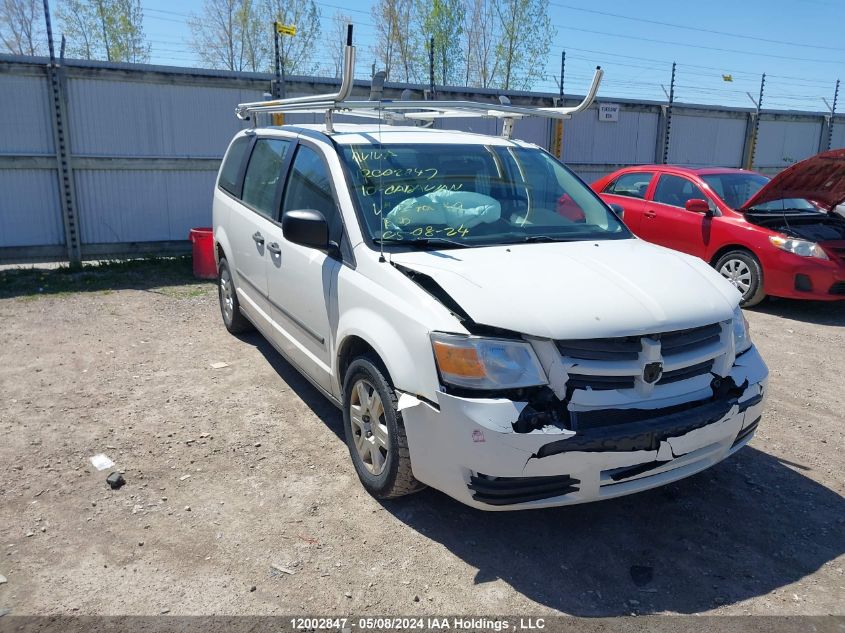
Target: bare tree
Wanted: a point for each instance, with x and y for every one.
(526, 33)
(481, 32)
(21, 32)
(228, 34)
(104, 29)
(337, 41)
(443, 20)
(399, 48)
(297, 52)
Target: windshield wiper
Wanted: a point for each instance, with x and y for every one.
(542, 238)
(423, 242)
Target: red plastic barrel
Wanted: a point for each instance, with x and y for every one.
(203, 252)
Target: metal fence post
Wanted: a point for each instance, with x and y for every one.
(832, 116)
(61, 141)
(751, 141)
(668, 118)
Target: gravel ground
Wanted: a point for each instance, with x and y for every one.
(240, 497)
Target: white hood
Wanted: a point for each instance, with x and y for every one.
(571, 290)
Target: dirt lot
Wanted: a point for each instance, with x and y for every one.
(233, 470)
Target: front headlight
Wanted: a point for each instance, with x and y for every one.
(486, 363)
(798, 247)
(742, 333)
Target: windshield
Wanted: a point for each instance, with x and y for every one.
(473, 195)
(735, 189)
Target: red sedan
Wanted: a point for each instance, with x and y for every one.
(780, 237)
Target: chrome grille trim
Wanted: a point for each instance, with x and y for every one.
(618, 363)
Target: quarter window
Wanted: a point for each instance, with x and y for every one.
(261, 180)
(675, 191)
(309, 187)
(633, 185)
(230, 173)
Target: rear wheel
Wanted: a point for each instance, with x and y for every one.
(743, 270)
(375, 433)
(230, 308)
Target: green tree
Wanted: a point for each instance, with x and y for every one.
(229, 34)
(296, 52)
(104, 29)
(526, 35)
(21, 32)
(399, 47)
(443, 20)
(80, 24)
(481, 34)
(123, 22)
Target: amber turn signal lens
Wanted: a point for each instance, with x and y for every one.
(458, 361)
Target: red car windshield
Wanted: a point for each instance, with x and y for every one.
(735, 189)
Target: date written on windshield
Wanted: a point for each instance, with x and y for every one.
(426, 231)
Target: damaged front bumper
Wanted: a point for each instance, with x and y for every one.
(470, 450)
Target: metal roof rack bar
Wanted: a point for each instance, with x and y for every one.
(407, 110)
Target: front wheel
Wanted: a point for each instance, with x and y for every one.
(375, 433)
(743, 270)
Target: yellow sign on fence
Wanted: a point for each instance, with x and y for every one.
(286, 29)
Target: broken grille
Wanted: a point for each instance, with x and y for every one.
(615, 363)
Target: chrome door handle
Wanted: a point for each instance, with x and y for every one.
(258, 238)
(273, 247)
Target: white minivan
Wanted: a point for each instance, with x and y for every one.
(487, 324)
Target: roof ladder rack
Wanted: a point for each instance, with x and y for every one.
(393, 111)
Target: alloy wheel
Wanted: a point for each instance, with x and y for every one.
(227, 298)
(369, 427)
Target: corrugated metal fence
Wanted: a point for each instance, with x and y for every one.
(145, 143)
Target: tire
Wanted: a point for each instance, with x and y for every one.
(743, 270)
(379, 450)
(230, 308)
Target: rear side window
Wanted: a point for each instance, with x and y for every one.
(633, 185)
(309, 187)
(261, 180)
(232, 165)
(675, 190)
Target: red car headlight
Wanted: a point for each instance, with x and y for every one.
(798, 247)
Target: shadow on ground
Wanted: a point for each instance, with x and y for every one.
(322, 407)
(818, 312)
(744, 528)
(138, 274)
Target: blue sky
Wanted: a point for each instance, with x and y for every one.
(797, 43)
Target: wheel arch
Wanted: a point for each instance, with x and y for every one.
(222, 248)
(350, 348)
(733, 247)
(406, 356)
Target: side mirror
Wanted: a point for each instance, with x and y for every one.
(619, 210)
(697, 205)
(306, 228)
